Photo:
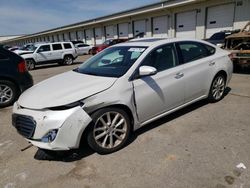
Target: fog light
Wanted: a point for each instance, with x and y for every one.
(50, 136)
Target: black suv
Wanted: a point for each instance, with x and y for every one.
(219, 37)
(14, 77)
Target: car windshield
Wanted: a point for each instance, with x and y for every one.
(107, 42)
(112, 62)
(28, 48)
(32, 48)
(218, 36)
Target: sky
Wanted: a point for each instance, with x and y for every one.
(31, 16)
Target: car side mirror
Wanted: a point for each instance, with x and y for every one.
(147, 70)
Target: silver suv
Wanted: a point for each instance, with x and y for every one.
(58, 52)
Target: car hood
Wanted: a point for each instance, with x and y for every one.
(63, 89)
(22, 51)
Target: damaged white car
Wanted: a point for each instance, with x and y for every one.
(119, 90)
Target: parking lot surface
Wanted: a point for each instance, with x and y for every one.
(199, 146)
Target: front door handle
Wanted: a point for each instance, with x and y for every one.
(212, 63)
(179, 75)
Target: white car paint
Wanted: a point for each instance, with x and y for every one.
(148, 98)
(83, 48)
(82, 87)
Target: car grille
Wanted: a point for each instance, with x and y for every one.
(25, 125)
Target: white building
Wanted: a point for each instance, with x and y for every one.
(171, 18)
(4, 38)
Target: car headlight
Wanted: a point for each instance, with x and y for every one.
(68, 106)
(50, 136)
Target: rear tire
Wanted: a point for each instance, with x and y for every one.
(217, 88)
(30, 64)
(109, 130)
(8, 93)
(68, 60)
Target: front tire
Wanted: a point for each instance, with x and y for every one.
(109, 131)
(8, 93)
(217, 88)
(68, 60)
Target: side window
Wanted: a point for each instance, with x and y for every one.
(56, 46)
(67, 46)
(211, 50)
(3, 57)
(192, 51)
(162, 58)
(44, 48)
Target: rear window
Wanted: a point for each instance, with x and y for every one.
(218, 36)
(67, 45)
(82, 45)
(56, 46)
(211, 50)
(192, 51)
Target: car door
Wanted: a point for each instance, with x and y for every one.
(57, 52)
(163, 91)
(43, 53)
(86, 48)
(198, 69)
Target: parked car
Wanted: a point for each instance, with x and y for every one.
(57, 52)
(82, 48)
(14, 77)
(13, 48)
(106, 44)
(25, 49)
(118, 91)
(218, 38)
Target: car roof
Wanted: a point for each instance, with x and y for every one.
(147, 42)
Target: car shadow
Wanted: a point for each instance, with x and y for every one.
(239, 70)
(85, 151)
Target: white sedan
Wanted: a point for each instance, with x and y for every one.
(119, 90)
(83, 49)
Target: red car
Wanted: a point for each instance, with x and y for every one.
(106, 44)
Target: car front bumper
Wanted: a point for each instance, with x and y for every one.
(35, 125)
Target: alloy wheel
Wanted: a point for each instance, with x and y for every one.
(110, 130)
(218, 88)
(68, 60)
(6, 94)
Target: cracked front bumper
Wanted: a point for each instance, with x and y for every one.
(34, 125)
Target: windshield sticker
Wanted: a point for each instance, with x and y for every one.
(136, 49)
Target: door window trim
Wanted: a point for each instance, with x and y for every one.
(180, 56)
(134, 75)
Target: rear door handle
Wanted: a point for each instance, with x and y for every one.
(179, 75)
(212, 63)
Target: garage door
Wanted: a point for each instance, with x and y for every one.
(123, 30)
(109, 32)
(66, 36)
(219, 18)
(186, 24)
(88, 36)
(139, 27)
(98, 35)
(80, 35)
(61, 37)
(73, 36)
(160, 26)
